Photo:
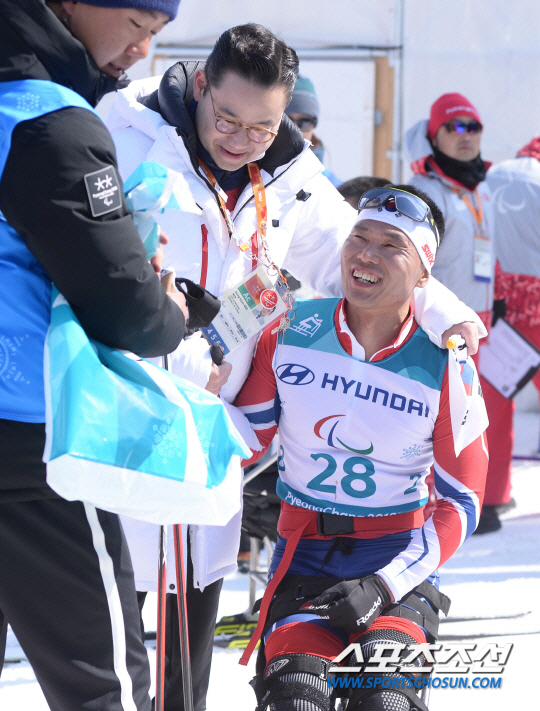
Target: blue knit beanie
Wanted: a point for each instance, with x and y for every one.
(168, 7)
(304, 99)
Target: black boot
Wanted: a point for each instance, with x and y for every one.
(489, 520)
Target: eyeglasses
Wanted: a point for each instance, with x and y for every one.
(256, 135)
(395, 200)
(304, 124)
(460, 127)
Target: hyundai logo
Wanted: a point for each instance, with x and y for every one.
(293, 374)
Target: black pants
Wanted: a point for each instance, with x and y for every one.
(67, 589)
(202, 612)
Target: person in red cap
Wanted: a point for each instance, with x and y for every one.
(447, 165)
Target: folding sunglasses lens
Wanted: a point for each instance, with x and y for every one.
(411, 208)
(373, 198)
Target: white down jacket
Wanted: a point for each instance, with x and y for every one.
(304, 236)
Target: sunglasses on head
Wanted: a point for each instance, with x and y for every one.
(461, 127)
(395, 200)
(304, 124)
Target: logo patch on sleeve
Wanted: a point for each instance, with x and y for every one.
(103, 190)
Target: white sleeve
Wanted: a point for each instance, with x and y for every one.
(192, 360)
(324, 223)
(132, 147)
(241, 422)
(436, 308)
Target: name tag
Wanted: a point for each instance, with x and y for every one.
(483, 268)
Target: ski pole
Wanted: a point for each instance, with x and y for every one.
(161, 618)
(162, 595)
(182, 617)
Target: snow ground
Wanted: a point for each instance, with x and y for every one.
(492, 574)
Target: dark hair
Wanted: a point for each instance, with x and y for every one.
(356, 187)
(253, 52)
(435, 209)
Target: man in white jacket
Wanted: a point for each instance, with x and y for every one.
(208, 122)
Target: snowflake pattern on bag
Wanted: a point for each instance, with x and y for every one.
(169, 442)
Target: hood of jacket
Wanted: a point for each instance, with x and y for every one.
(168, 99)
(417, 146)
(36, 45)
(418, 152)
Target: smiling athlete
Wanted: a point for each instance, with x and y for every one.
(365, 405)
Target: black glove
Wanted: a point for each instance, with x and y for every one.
(352, 605)
(203, 306)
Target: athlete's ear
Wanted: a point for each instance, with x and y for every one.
(423, 279)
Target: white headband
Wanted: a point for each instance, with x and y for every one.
(418, 232)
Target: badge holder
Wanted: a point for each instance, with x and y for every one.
(247, 309)
(261, 297)
(483, 269)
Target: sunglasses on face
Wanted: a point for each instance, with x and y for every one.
(395, 200)
(304, 124)
(460, 127)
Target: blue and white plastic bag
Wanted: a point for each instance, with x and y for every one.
(132, 438)
(149, 190)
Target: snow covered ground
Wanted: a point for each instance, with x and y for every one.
(496, 574)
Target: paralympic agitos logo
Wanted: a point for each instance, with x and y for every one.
(331, 438)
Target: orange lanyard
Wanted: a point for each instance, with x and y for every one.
(262, 212)
(478, 214)
(222, 197)
(260, 206)
(259, 193)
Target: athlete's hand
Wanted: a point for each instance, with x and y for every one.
(352, 605)
(468, 330)
(218, 377)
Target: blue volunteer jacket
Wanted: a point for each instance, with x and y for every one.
(25, 289)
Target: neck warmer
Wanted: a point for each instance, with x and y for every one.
(469, 173)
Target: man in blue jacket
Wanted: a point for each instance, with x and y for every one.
(66, 584)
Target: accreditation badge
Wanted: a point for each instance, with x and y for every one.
(483, 267)
(247, 309)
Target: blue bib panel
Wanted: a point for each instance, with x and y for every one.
(25, 288)
(313, 328)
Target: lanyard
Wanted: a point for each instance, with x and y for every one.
(482, 259)
(262, 212)
(260, 205)
(478, 214)
(262, 216)
(259, 193)
(222, 197)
